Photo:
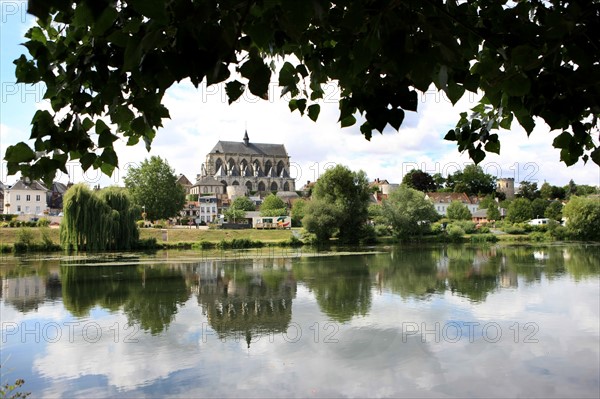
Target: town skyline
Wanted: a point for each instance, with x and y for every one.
(201, 117)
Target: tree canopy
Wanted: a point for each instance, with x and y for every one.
(471, 180)
(106, 65)
(419, 180)
(153, 186)
(98, 220)
(348, 193)
(458, 211)
(273, 206)
(408, 212)
(583, 217)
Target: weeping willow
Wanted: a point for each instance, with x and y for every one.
(98, 221)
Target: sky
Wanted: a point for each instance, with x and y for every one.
(200, 117)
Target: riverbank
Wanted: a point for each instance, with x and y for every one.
(45, 239)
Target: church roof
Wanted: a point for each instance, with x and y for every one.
(238, 147)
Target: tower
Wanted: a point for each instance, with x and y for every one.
(506, 185)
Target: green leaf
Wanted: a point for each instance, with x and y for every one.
(396, 117)
(562, 140)
(450, 136)
(106, 139)
(101, 127)
(234, 90)
(313, 112)
(348, 121)
(19, 152)
(595, 155)
(138, 125)
(476, 154)
(454, 92)
(258, 75)
(493, 146)
(109, 156)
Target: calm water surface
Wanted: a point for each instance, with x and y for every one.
(495, 321)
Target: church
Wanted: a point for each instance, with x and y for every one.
(252, 167)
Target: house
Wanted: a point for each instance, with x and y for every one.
(185, 183)
(26, 197)
(205, 210)
(480, 215)
(54, 197)
(381, 189)
(442, 200)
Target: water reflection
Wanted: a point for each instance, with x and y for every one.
(362, 301)
(247, 298)
(341, 285)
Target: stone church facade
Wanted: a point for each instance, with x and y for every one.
(255, 167)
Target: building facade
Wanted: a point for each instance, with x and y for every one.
(442, 200)
(506, 186)
(258, 167)
(26, 198)
(205, 210)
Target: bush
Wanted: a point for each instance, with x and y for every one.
(483, 238)
(514, 229)
(455, 233)
(43, 222)
(382, 230)
(205, 245)
(147, 243)
(483, 230)
(140, 223)
(47, 242)
(537, 236)
(466, 225)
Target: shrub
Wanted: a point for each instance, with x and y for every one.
(466, 225)
(514, 229)
(43, 222)
(140, 223)
(205, 245)
(483, 230)
(147, 243)
(537, 236)
(382, 230)
(455, 233)
(483, 238)
(47, 242)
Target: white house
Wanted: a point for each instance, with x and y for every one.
(204, 210)
(441, 201)
(25, 197)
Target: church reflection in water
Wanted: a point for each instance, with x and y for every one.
(247, 299)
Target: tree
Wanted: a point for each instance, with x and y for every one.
(298, 211)
(538, 207)
(554, 211)
(349, 193)
(458, 211)
(273, 206)
(471, 180)
(408, 212)
(528, 190)
(493, 213)
(153, 186)
(321, 218)
(550, 192)
(419, 180)
(519, 211)
(243, 203)
(112, 61)
(583, 218)
(487, 202)
(439, 180)
(97, 221)
(238, 208)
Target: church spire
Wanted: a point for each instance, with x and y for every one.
(246, 139)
